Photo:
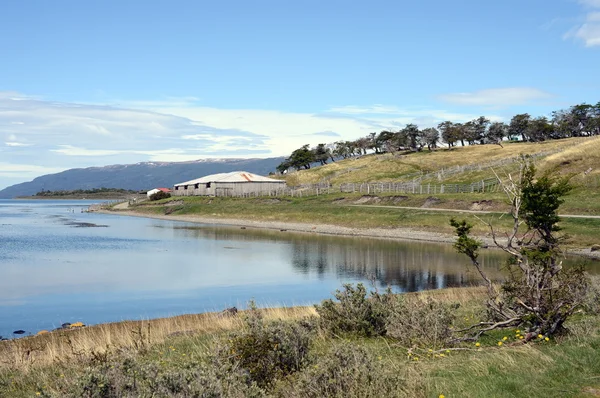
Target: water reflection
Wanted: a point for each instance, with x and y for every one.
(407, 266)
(52, 271)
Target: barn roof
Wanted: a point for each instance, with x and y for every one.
(234, 176)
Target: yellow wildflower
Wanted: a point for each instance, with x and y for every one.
(540, 336)
(478, 344)
(547, 339)
(518, 331)
(504, 338)
(442, 396)
(500, 343)
(521, 337)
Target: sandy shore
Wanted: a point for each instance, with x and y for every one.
(381, 233)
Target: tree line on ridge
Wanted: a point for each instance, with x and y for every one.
(581, 120)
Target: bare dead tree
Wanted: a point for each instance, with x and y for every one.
(538, 295)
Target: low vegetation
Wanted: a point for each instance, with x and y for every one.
(159, 195)
(293, 353)
(98, 193)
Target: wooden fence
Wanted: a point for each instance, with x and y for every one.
(489, 185)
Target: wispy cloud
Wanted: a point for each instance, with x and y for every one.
(41, 136)
(376, 109)
(588, 31)
(15, 170)
(590, 3)
(497, 97)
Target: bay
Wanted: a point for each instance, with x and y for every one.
(59, 264)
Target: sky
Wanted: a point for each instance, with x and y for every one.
(93, 83)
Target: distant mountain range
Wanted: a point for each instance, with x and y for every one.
(139, 176)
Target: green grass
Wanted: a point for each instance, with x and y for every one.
(336, 209)
(567, 366)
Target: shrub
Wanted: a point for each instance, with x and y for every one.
(160, 195)
(267, 351)
(345, 371)
(355, 313)
(420, 322)
(129, 378)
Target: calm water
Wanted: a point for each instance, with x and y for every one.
(55, 268)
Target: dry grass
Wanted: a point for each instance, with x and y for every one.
(86, 342)
(578, 158)
(64, 345)
(461, 295)
(388, 167)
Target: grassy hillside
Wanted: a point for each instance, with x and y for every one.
(576, 155)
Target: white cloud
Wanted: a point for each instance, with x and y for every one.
(497, 97)
(377, 109)
(46, 134)
(26, 170)
(590, 3)
(15, 144)
(589, 30)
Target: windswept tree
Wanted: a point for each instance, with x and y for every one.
(302, 158)
(496, 133)
(461, 131)
(412, 134)
(518, 126)
(479, 129)
(386, 141)
(321, 154)
(284, 166)
(362, 144)
(430, 137)
(342, 149)
(448, 133)
(540, 129)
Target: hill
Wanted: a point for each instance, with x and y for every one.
(139, 176)
(458, 165)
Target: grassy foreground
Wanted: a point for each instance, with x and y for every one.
(178, 357)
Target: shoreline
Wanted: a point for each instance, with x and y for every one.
(405, 234)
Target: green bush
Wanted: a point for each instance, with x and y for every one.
(421, 322)
(160, 195)
(267, 351)
(355, 312)
(345, 371)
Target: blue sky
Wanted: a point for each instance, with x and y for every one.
(89, 83)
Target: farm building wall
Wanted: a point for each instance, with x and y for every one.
(228, 188)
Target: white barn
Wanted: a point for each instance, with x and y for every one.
(236, 183)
